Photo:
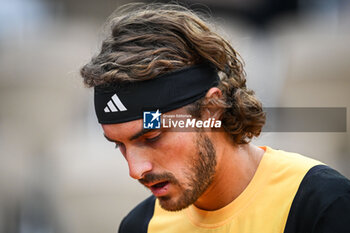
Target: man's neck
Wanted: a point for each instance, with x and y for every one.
(236, 166)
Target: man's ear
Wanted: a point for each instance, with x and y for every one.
(213, 96)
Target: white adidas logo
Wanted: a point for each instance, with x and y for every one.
(115, 105)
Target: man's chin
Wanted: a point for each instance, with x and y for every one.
(167, 203)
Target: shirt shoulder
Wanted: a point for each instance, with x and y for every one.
(322, 192)
(138, 219)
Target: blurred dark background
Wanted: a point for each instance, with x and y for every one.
(58, 173)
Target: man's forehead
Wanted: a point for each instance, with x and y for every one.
(133, 129)
(122, 130)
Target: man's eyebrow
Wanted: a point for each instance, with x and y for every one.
(133, 137)
(140, 133)
(111, 140)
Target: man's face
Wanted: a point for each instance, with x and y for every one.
(176, 166)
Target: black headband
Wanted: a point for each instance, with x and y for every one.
(126, 102)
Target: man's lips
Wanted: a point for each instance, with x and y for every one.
(159, 188)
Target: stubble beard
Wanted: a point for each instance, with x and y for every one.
(199, 176)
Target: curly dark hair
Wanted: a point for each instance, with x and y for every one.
(149, 40)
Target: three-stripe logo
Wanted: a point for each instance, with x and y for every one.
(115, 105)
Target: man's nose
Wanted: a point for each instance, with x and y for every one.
(138, 163)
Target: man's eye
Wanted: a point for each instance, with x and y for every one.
(153, 139)
(121, 147)
(118, 145)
